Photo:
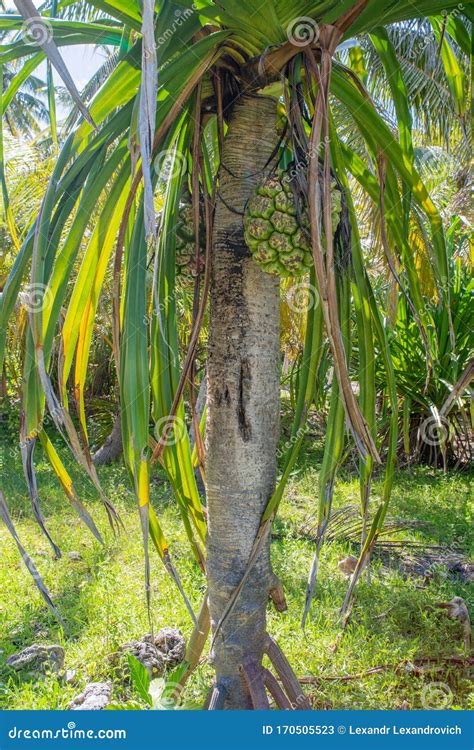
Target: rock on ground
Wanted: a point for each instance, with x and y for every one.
(70, 676)
(171, 643)
(164, 650)
(148, 654)
(38, 658)
(347, 565)
(95, 697)
(75, 556)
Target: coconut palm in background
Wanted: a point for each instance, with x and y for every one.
(28, 110)
(212, 101)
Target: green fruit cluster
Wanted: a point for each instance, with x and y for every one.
(278, 238)
(185, 244)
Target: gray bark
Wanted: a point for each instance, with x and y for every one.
(112, 448)
(242, 401)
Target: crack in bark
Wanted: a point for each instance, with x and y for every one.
(244, 391)
(222, 397)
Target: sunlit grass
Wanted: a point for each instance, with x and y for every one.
(101, 596)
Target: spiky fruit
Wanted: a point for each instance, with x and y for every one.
(185, 244)
(278, 238)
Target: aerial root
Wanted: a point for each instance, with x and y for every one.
(259, 682)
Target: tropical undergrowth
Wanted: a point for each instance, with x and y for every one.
(394, 624)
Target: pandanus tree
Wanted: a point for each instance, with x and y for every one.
(209, 103)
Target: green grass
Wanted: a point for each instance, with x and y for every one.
(101, 597)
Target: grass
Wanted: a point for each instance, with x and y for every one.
(101, 596)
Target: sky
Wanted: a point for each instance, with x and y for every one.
(82, 60)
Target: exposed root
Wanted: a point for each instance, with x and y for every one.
(252, 675)
(260, 683)
(217, 698)
(275, 690)
(277, 595)
(291, 685)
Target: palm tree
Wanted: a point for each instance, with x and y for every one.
(199, 95)
(27, 112)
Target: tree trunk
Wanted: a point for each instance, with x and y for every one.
(242, 401)
(112, 449)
